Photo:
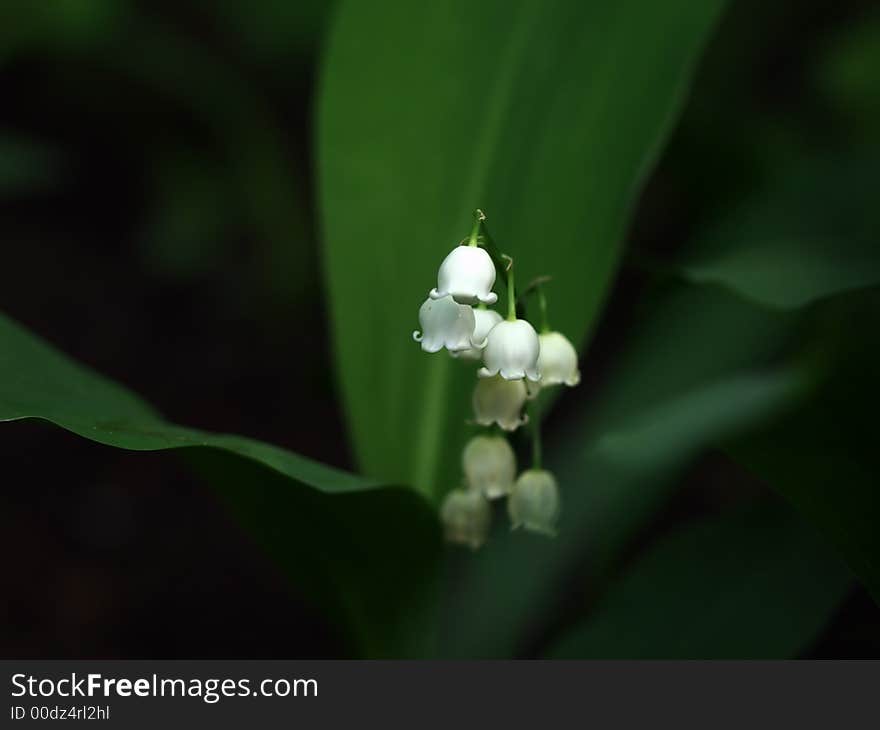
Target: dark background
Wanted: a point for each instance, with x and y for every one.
(156, 219)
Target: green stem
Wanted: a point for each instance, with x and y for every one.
(488, 243)
(535, 286)
(542, 307)
(475, 231)
(511, 292)
(535, 419)
(502, 261)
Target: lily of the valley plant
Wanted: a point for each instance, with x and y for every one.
(517, 363)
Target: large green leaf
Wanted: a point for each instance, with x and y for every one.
(683, 383)
(823, 456)
(545, 114)
(753, 585)
(807, 240)
(37, 381)
(364, 550)
(808, 233)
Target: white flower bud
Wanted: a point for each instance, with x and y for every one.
(500, 401)
(534, 502)
(445, 323)
(512, 349)
(466, 516)
(485, 320)
(558, 360)
(468, 274)
(489, 465)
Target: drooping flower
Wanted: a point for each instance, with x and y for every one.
(512, 349)
(445, 323)
(489, 465)
(466, 517)
(558, 360)
(534, 502)
(500, 401)
(467, 274)
(485, 320)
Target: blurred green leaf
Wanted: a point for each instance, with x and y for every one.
(682, 384)
(368, 558)
(754, 585)
(823, 456)
(810, 238)
(368, 550)
(807, 234)
(65, 25)
(276, 32)
(26, 166)
(194, 216)
(257, 180)
(546, 115)
(848, 75)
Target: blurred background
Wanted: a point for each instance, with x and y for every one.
(157, 223)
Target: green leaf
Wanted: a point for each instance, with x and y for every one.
(276, 32)
(807, 234)
(754, 585)
(37, 381)
(365, 550)
(66, 25)
(682, 384)
(823, 456)
(809, 237)
(847, 76)
(368, 558)
(267, 192)
(26, 166)
(546, 115)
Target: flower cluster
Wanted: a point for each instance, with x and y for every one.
(517, 364)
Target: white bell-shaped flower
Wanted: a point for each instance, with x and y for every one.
(485, 320)
(466, 516)
(512, 349)
(500, 401)
(445, 323)
(534, 502)
(489, 465)
(468, 275)
(558, 360)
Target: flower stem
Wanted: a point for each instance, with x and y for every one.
(536, 286)
(511, 292)
(542, 307)
(484, 239)
(479, 217)
(503, 262)
(535, 420)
